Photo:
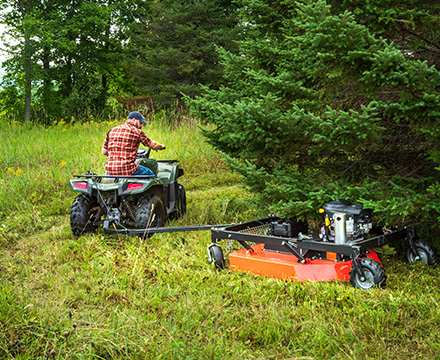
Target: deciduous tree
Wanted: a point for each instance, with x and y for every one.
(66, 50)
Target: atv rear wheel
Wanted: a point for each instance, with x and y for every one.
(426, 252)
(374, 275)
(150, 213)
(81, 214)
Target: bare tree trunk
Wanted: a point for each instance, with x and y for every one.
(27, 70)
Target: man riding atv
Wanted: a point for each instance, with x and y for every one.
(136, 191)
(121, 146)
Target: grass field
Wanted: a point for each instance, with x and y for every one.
(113, 297)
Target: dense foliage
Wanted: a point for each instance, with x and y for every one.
(321, 100)
(74, 58)
(175, 48)
(319, 106)
(62, 54)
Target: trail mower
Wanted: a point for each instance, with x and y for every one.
(128, 202)
(341, 249)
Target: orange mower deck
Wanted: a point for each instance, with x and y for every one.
(286, 266)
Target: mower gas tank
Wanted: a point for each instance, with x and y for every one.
(346, 207)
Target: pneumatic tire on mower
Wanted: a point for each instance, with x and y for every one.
(150, 212)
(374, 275)
(81, 215)
(216, 257)
(427, 253)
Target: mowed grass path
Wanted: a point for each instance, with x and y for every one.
(115, 297)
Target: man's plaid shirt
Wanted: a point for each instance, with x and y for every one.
(122, 143)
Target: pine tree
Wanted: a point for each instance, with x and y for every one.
(315, 107)
(176, 47)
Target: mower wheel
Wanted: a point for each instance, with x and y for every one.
(427, 253)
(216, 257)
(81, 215)
(150, 212)
(374, 275)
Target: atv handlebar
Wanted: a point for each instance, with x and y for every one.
(145, 154)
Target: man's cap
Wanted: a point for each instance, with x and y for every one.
(137, 115)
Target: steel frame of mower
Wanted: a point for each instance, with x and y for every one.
(305, 254)
(302, 251)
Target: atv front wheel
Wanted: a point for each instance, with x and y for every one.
(180, 209)
(426, 253)
(150, 213)
(181, 201)
(81, 215)
(374, 275)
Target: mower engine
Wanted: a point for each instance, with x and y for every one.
(344, 221)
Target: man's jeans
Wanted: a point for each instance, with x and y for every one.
(142, 170)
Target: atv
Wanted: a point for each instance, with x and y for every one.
(128, 202)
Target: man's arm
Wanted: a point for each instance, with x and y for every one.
(155, 145)
(105, 145)
(150, 143)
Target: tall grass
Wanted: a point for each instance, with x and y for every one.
(37, 162)
(113, 297)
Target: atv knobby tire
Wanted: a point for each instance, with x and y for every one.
(374, 275)
(150, 212)
(181, 201)
(180, 209)
(427, 253)
(81, 215)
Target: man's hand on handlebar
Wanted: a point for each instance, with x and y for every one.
(156, 146)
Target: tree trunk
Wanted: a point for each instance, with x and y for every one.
(46, 77)
(27, 70)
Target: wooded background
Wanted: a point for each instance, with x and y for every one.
(70, 58)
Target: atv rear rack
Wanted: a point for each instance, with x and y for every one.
(91, 176)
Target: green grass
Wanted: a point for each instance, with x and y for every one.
(113, 297)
